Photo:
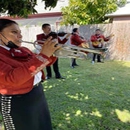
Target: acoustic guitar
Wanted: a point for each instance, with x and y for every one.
(100, 41)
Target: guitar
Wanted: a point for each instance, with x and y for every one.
(100, 41)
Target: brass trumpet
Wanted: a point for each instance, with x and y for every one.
(67, 51)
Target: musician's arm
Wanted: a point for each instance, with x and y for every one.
(106, 38)
(39, 37)
(64, 40)
(79, 40)
(93, 38)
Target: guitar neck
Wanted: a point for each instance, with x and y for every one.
(110, 36)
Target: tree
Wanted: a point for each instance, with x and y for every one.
(23, 8)
(83, 12)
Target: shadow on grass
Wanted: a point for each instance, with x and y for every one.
(91, 97)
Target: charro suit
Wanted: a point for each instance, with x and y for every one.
(95, 38)
(55, 64)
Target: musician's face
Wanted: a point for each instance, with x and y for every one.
(98, 32)
(77, 31)
(11, 33)
(47, 29)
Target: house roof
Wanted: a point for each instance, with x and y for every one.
(38, 19)
(122, 11)
(43, 16)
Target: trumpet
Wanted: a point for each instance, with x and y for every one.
(68, 51)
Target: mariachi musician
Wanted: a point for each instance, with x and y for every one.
(77, 40)
(46, 33)
(98, 40)
(23, 104)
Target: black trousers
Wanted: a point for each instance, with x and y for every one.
(98, 57)
(26, 112)
(73, 61)
(55, 68)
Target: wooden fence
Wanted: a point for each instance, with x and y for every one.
(119, 45)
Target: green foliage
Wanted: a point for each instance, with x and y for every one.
(83, 12)
(92, 97)
(121, 3)
(50, 3)
(23, 8)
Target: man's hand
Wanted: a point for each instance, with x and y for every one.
(68, 35)
(49, 47)
(85, 45)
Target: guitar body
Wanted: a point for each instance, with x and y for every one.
(84, 45)
(98, 44)
(100, 41)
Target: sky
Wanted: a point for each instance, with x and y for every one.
(60, 4)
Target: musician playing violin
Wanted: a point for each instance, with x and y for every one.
(98, 40)
(43, 36)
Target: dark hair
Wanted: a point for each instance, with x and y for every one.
(98, 29)
(45, 25)
(53, 34)
(5, 23)
(74, 29)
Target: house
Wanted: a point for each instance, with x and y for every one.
(43, 15)
(121, 15)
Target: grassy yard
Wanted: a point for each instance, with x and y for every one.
(92, 97)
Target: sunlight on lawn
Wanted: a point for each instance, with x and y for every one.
(48, 87)
(77, 96)
(91, 97)
(96, 113)
(112, 78)
(69, 75)
(77, 114)
(126, 64)
(67, 117)
(124, 115)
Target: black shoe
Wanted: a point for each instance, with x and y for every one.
(48, 77)
(60, 77)
(100, 61)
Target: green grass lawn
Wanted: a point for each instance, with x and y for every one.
(92, 97)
